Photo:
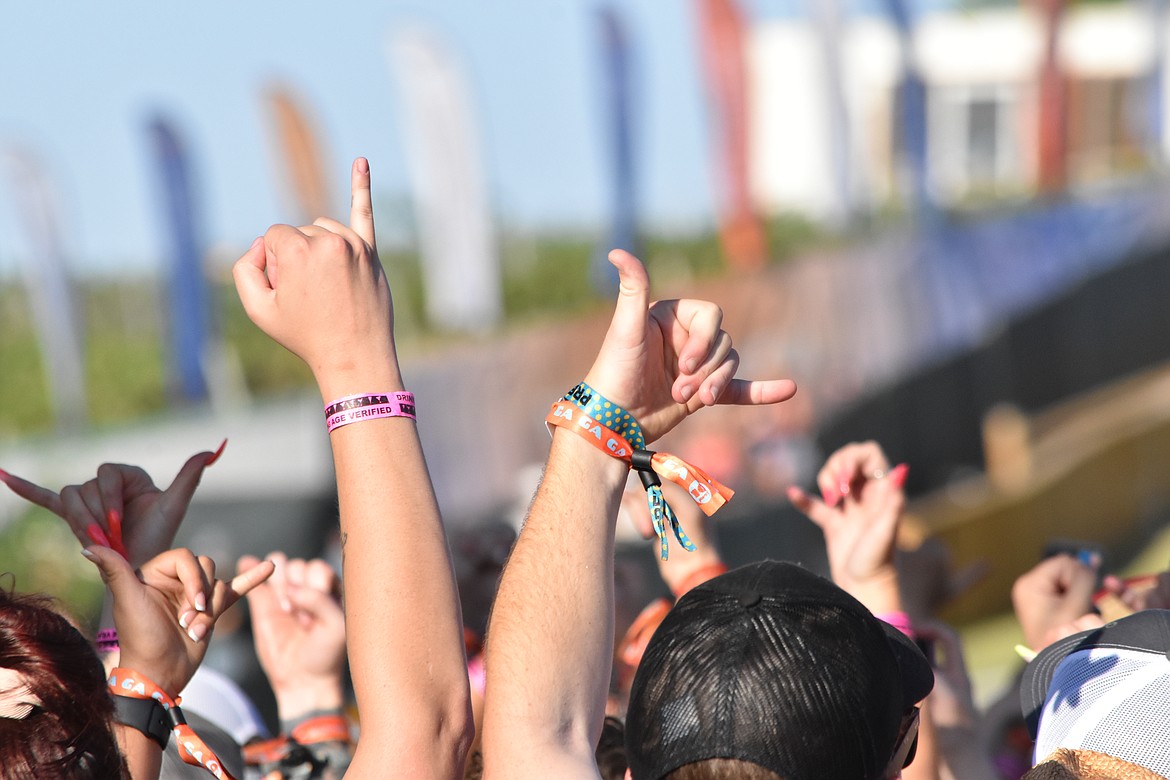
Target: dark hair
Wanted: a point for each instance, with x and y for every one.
(71, 733)
(611, 750)
(723, 769)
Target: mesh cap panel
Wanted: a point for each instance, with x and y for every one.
(1112, 701)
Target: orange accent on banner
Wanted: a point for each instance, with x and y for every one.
(722, 31)
(301, 154)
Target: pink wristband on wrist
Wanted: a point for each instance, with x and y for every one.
(107, 639)
(900, 621)
(368, 406)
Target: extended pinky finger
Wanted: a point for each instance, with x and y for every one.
(758, 392)
(245, 581)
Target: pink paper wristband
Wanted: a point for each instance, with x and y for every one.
(899, 620)
(368, 406)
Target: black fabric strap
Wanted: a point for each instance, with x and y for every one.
(145, 715)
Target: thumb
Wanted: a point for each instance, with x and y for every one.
(182, 488)
(252, 283)
(116, 571)
(629, 316)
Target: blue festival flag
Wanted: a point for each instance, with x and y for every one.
(186, 285)
(618, 103)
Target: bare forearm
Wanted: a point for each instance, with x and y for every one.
(143, 755)
(550, 643)
(402, 609)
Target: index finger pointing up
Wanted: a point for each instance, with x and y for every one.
(361, 205)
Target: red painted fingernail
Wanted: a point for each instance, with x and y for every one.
(4, 476)
(95, 532)
(215, 456)
(114, 520)
(831, 496)
(899, 473)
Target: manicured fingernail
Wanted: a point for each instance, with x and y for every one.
(88, 554)
(686, 391)
(196, 632)
(4, 476)
(899, 473)
(186, 618)
(215, 456)
(200, 602)
(831, 496)
(95, 532)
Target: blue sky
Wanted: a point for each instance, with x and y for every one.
(79, 81)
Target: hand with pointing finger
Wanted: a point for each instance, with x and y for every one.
(664, 361)
(319, 290)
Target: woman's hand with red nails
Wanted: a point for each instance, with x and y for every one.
(859, 517)
(121, 508)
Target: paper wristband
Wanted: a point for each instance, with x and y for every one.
(192, 749)
(899, 620)
(368, 406)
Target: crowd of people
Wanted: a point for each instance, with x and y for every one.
(761, 671)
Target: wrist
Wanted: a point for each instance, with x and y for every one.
(593, 466)
(701, 565)
(878, 592)
(169, 679)
(371, 376)
(295, 700)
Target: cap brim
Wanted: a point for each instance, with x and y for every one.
(917, 676)
(1146, 631)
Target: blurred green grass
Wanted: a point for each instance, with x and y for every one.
(123, 322)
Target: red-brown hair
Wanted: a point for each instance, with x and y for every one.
(71, 734)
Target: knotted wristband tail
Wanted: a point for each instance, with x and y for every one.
(614, 431)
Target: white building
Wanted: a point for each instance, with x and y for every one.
(980, 69)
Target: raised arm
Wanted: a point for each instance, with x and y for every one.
(550, 640)
(320, 291)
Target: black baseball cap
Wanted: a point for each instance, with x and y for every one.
(773, 665)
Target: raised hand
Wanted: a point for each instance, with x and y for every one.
(664, 361)
(299, 630)
(161, 637)
(319, 290)
(859, 517)
(1150, 592)
(121, 508)
(1053, 599)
